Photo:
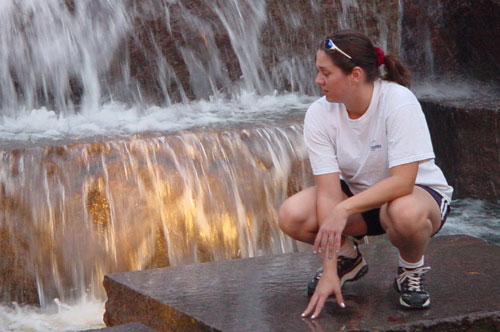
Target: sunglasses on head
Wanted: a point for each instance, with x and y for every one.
(329, 45)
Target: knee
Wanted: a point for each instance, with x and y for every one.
(285, 216)
(405, 216)
(288, 218)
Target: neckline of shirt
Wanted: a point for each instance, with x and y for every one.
(371, 107)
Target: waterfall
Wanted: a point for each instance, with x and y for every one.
(76, 212)
(72, 56)
(49, 51)
(140, 134)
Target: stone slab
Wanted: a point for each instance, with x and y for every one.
(466, 139)
(268, 293)
(130, 327)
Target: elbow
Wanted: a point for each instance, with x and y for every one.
(404, 177)
(405, 188)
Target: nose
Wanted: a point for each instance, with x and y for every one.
(319, 79)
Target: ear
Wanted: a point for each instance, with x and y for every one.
(357, 75)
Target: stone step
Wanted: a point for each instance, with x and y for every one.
(129, 327)
(268, 293)
(464, 135)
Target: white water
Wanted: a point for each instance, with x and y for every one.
(457, 91)
(117, 119)
(114, 119)
(475, 218)
(61, 317)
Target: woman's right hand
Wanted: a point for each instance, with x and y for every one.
(329, 235)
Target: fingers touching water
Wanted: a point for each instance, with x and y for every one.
(328, 284)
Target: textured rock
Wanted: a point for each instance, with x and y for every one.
(452, 38)
(268, 293)
(466, 140)
(290, 31)
(130, 327)
(17, 282)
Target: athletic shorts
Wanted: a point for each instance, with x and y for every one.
(372, 217)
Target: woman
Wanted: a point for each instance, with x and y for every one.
(373, 162)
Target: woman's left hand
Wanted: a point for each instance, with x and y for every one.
(330, 233)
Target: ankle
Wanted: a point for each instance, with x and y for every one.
(407, 265)
(348, 249)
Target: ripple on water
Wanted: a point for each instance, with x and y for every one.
(474, 217)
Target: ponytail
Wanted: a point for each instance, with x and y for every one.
(396, 71)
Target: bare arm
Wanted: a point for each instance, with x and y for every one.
(400, 183)
(329, 194)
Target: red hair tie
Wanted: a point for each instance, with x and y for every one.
(380, 56)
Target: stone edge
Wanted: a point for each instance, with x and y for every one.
(151, 312)
(481, 321)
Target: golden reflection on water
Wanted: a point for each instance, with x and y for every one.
(91, 209)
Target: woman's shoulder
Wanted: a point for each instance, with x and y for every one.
(321, 113)
(396, 94)
(321, 107)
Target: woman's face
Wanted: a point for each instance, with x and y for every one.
(334, 84)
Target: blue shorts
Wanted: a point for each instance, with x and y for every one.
(372, 217)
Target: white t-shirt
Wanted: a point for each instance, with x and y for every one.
(393, 131)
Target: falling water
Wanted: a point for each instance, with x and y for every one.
(71, 56)
(88, 209)
(49, 51)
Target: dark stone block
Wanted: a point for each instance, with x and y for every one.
(268, 293)
(452, 38)
(466, 140)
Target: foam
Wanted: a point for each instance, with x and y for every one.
(118, 119)
(455, 90)
(61, 317)
(475, 218)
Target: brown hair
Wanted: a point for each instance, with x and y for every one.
(363, 54)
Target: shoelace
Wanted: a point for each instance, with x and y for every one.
(414, 278)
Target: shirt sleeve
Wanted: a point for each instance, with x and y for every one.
(320, 145)
(408, 137)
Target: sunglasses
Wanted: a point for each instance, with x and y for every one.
(329, 45)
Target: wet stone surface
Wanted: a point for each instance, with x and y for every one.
(130, 327)
(268, 293)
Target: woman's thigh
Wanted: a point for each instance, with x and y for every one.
(419, 201)
(301, 208)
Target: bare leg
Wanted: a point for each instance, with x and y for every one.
(297, 217)
(410, 221)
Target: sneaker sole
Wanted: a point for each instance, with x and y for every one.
(405, 305)
(355, 274)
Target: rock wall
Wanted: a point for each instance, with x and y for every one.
(289, 34)
(452, 38)
(465, 137)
